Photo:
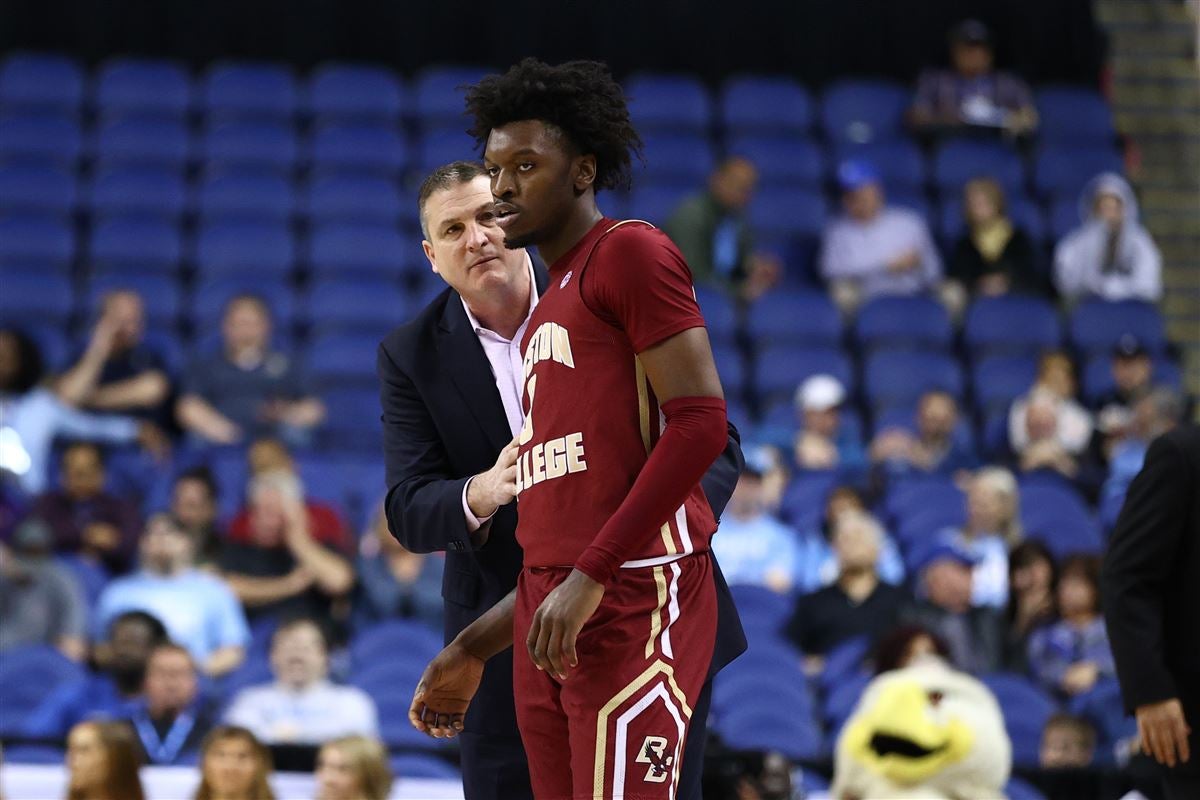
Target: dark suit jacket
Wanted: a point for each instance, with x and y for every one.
(1151, 578)
(443, 422)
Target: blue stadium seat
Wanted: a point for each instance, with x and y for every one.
(363, 147)
(906, 322)
(161, 295)
(442, 145)
(345, 198)
(842, 699)
(960, 160)
(154, 142)
(363, 249)
(249, 90)
(898, 378)
(787, 160)
(998, 380)
(244, 247)
(864, 111)
(1097, 378)
(765, 105)
(37, 188)
(783, 367)
(366, 305)
(803, 502)
(143, 88)
(438, 93)
(351, 421)
(761, 607)
(35, 754)
(1097, 325)
(807, 317)
(254, 671)
(135, 245)
(36, 241)
(668, 103)
(267, 197)
(28, 675)
(1059, 517)
(210, 297)
(780, 731)
(730, 368)
(685, 159)
(1011, 324)
(1073, 114)
(39, 139)
(394, 728)
(655, 203)
(139, 191)
(263, 145)
(51, 340)
(36, 298)
(788, 212)
(1026, 709)
(744, 690)
(1063, 170)
(899, 162)
(353, 92)
(1064, 217)
(417, 766)
(720, 314)
(907, 498)
(386, 639)
(41, 82)
(344, 359)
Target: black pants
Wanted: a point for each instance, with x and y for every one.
(494, 767)
(1179, 785)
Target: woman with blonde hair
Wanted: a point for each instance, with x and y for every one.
(353, 768)
(994, 256)
(102, 763)
(234, 765)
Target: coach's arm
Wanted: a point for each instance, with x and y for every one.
(718, 483)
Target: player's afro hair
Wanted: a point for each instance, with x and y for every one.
(580, 98)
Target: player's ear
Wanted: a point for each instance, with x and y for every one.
(428, 248)
(585, 172)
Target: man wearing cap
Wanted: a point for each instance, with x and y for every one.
(40, 602)
(972, 94)
(1132, 369)
(874, 249)
(823, 441)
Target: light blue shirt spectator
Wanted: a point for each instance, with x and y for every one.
(760, 551)
(989, 576)
(1054, 649)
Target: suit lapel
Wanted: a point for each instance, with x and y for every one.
(459, 350)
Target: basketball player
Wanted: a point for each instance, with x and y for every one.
(623, 414)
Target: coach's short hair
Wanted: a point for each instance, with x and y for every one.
(446, 176)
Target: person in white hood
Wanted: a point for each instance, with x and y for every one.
(1110, 256)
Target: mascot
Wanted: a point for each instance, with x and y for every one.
(925, 731)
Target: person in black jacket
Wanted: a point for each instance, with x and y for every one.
(450, 389)
(1151, 590)
(994, 256)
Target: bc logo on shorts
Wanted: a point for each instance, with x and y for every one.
(654, 753)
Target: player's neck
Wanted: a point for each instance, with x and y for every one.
(583, 218)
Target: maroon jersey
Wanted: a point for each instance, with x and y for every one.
(591, 418)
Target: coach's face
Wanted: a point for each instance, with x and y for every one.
(465, 245)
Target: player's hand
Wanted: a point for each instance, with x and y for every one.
(488, 491)
(1163, 732)
(558, 620)
(445, 691)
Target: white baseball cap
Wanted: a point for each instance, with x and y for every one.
(820, 393)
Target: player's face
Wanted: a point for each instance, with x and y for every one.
(465, 245)
(536, 180)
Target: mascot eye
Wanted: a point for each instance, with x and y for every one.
(935, 698)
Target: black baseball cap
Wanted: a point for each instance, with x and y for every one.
(1129, 346)
(971, 31)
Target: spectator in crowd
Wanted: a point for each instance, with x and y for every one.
(857, 604)
(33, 415)
(394, 582)
(302, 706)
(1038, 446)
(102, 763)
(875, 249)
(993, 526)
(973, 633)
(973, 94)
(754, 548)
(1068, 742)
(84, 518)
(283, 570)
(820, 566)
(247, 389)
(711, 230)
(994, 256)
(1110, 256)
(824, 442)
(1132, 371)
(40, 601)
(194, 504)
(234, 765)
(1072, 655)
(1156, 413)
(117, 371)
(904, 645)
(171, 718)
(121, 662)
(1055, 387)
(1032, 578)
(353, 768)
(199, 610)
(935, 448)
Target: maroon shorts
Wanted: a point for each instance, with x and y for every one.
(616, 727)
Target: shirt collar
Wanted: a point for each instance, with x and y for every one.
(533, 301)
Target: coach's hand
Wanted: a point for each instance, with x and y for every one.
(1163, 732)
(558, 620)
(445, 691)
(489, 491)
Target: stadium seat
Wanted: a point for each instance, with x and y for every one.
(1097, 325)
(351, 421)
(1011, 325)
(36, 298)
(360, 249)
(743, 690)
(842, 699)
(720, 314)
(139, 191)
(248, 90)
(899, 162)
(244, 247)
(344, 359)
(844, 661)
(1073, 114)
(1097, 379)
(908, 497)
(254, 671)
(35, 754)
(233, 195)
(410, 766)
(359, 198)
(780, 731)
(211, 296)
(898, 378)
(998, 380)
(862, 111)
(803, 502)
(135, 245)
(1060, 518)
(365, 305)
(439, 146)
(353, 92)
(263, 145)
(668, 103)
(684, 159)
(37, 188)
(50, 340)
(36, 241)
(915, 322)
(958, 161)
(730, 368)
(161, 295)
(1026, 709)
(439, 92)
(762, 608)
(783, 367)
(788, 212)
(143, 88)
(385, 640)
(655, 203)
(160, 143)
(39, 139)
(788, 161)
(40, 82)
(762, 105)
(394, 728)
(1063, 170)
(806, 317)
(361, 147)
(1064, 217)
(28, 675)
